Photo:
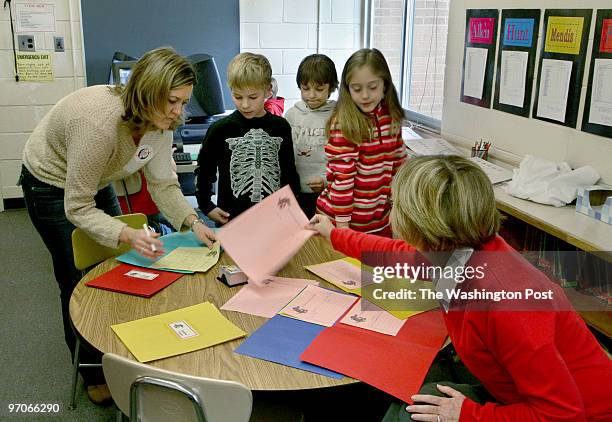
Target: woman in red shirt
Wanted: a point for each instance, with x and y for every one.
(535, 357)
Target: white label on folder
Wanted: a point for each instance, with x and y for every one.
(141, 274)
(182, 329)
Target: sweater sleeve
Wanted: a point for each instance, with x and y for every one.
(400, 154)
(162, 182)
(528, 352)
(289, 175)
(342, 156)
(207, 170)
(352, 243)
(86, 156)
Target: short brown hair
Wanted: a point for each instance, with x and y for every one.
(153, 77)
(441, 203)
(317, 68)
(249, 70)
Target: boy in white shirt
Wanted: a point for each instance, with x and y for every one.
(317, 80)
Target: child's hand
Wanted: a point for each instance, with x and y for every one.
(321, 224)
(316, 185)
(219, 216)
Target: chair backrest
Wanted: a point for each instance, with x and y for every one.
(160, 395)
(88, 252)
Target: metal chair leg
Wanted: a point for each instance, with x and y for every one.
(75, 374)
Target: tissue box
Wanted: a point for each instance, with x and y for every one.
(595, 201)
(232, 275)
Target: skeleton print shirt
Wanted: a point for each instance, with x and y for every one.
(253, 157)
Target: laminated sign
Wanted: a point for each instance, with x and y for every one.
(564, 35)
(34, 67)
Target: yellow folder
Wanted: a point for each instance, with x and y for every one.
(177, 332)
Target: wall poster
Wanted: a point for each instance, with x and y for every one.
(597, 117)
(479, 56)
(516, 60)
(565, 36)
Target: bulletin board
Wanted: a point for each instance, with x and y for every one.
(516, 60)
(597, 116)
(479, 56)
(565, 36)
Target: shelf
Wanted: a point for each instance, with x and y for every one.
(565, 223)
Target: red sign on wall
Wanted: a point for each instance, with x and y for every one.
(482, 30)
(605, 46)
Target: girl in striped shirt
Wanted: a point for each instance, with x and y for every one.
(364, 148)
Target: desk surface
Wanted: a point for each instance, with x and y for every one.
(565, 223)
(93, 311)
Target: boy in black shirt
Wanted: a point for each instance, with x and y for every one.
(251, 148)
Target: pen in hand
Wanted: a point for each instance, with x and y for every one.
(146, 229)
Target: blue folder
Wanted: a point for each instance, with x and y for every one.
(283, 340)
(171, 242)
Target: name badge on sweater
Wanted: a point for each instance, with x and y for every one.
(143, 152)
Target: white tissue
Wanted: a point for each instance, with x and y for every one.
(547, 182)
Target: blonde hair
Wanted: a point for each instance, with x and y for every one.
(146, 94)
(441, 203)
(347, 117)
(249, 70)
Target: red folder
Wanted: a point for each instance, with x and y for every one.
(119, 280)
(394, 364)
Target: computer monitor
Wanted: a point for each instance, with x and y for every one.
(121, 71)
(207, 98)
(121, 67)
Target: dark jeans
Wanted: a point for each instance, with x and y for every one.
(45, 204)
(442, 369)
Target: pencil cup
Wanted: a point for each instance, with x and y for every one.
(480, 153)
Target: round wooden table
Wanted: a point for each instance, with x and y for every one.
(93, 311)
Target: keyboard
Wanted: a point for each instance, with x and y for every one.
(182, 157)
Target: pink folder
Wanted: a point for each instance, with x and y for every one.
(265, 237)
(394, 364)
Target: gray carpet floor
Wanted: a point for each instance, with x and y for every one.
(35, 362)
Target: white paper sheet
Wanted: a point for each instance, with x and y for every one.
(601, 94)
(474, 71)
(512, 78)
(435, 146)
(495, 173)
(554, 89)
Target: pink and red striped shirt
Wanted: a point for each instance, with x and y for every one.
(359, 176)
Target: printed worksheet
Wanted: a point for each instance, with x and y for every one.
(474, 71)
(601, 97)
(368, 316)
(432, 146)
(554, 89)
(199, 259)
(318, 306)
(512, 78)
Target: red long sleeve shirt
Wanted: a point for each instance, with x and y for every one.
(359, 176)
(539, 365)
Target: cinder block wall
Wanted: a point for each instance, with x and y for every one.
(23, 104)
(286, 31)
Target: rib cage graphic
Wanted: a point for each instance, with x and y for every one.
(254, 164)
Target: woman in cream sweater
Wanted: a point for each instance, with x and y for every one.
(98, 135)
